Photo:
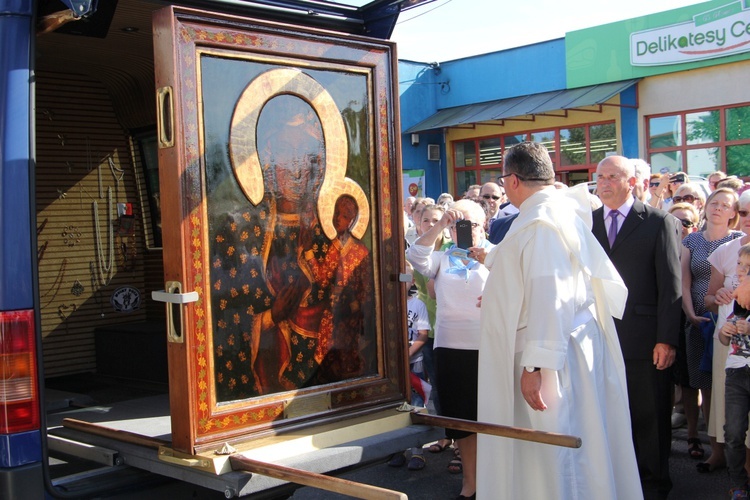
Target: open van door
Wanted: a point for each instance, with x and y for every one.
(280, 214)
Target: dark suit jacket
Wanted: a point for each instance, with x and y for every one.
(646, 253)
(500, 227)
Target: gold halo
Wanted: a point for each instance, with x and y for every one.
(243, 152)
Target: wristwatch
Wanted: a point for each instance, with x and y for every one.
(532, 369)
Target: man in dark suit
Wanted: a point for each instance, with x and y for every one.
(645, 249)
(500, 227)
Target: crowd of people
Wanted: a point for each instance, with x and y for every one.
(584, 314)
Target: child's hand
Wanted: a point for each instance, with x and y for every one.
(729, 329)
(742, 326)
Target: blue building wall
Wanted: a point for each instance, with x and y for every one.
(530, 69)
(629, 122)
(417, 85)
(424, 89)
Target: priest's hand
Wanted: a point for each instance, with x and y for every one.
(478, 253)
(531, 388)
(664, 356)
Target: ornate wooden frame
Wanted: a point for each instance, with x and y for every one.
(267, 54)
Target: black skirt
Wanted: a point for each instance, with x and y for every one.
(457, 371)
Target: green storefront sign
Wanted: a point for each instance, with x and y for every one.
(691, 37)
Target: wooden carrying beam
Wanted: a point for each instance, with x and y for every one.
(323, 482)
(118, 435)
(497, 430)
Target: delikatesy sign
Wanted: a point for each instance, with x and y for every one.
(719, 32)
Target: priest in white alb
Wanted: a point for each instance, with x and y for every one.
(549, 357)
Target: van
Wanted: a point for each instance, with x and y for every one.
(172, 179)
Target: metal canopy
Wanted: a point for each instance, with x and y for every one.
(373, 18)
(534, 104)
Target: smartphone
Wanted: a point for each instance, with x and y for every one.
(463, 234)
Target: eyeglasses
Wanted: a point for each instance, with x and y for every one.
(688, 198)
(488, 196)
(525, 179)
(743, 213)
(687, 223)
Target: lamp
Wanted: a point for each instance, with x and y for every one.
(415, 139)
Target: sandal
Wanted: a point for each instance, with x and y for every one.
(455, 466)
(397, 460)
(705, 467)
(437, 447)
(416, 462)
(695, 449)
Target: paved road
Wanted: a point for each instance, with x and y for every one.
(435, 483)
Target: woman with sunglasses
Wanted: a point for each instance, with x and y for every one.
(720, 218)
(719, 299)
(688, 193)
(663, 188)
(688, 216)
(656, 190)
(672, 185)
(459, 280)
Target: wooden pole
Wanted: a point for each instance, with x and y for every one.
(323, 482)
(497, 430)
(108, 432)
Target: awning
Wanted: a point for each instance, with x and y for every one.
(534, 104)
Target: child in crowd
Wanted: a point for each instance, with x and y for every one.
(418, 328)
(736, 334)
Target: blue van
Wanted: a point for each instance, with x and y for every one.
(120, 253)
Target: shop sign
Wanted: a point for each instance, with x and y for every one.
(413, 183)
(719, 32)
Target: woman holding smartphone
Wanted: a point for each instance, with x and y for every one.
(459, 281)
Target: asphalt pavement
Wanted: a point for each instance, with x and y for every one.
(434, 482)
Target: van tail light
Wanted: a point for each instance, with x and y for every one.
(19, 405)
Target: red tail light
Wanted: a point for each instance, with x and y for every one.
(19, 408)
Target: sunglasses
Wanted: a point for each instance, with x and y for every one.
(488, 196)
(743, 213)
(688, 198)
(687, 223)
(678, 180)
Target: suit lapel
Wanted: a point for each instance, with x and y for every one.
(635, 217)
(600, 232)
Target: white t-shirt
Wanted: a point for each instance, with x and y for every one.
(724, 260)
(739, 348)
(416, 320)
(457, 314)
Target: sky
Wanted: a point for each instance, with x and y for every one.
(443, 30)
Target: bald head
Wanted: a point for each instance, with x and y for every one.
(615, 179)
(493, 194)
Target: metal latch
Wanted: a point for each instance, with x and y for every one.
(173, 297)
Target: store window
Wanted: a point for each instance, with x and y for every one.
(571, 149)
(573, 146)
(701, 141)
(490, 152)
(466, 154)
(603, 140)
